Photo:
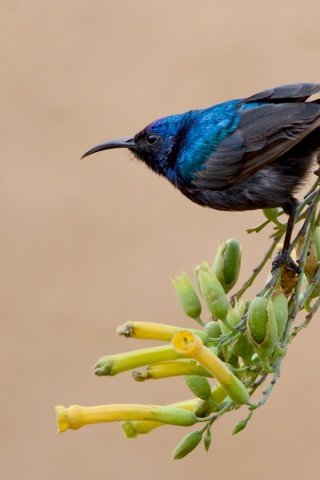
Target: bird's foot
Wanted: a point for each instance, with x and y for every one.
(284, 259)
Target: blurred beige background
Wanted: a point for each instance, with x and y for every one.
(87, 245)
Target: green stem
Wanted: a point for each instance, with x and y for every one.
(308, 319)
(294, 303)
(259, 227)
(257, 270)
(308, 293)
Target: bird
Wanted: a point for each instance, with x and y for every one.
(242, 154)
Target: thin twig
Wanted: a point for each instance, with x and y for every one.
(257, 270)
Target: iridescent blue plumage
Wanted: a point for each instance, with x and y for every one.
(242, 154)
(215, 124)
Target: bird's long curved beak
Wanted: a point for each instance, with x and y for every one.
(120, 143)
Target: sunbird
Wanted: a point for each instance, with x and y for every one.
(242, 154)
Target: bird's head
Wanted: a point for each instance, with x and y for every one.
(156, 145)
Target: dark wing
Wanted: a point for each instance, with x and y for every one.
(264, 133)
(296, 92)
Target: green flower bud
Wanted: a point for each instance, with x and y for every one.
(242, 348)
(240, 426)
(213, 329)
(204, 409)
(262, 328)
(188, 298)
(258, 319)
(226, 264)
(240, 308)
(234, 316)
(271, 214)
(213, 293)
(280, 308)
(186, 445)
(204, 266)
(233, 319)
(224, 328)
(199, 386)
(129, 429)
(207, 439)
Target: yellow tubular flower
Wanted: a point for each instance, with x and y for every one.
(133, 428)
(76, 416)
(173, 369)
(190, 345)
(140, 427)
(153, 331)
(121, 362)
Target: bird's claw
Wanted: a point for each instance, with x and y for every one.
(284, 259)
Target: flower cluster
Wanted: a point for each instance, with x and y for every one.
(231, 353)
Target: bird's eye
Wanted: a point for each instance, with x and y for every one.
(151, 138)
